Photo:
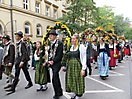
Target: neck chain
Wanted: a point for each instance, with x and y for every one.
(53, 50)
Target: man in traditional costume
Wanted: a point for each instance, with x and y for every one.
(55, 54)
(22, 59)
(8, 58)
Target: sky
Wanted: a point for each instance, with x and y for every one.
(119, 6)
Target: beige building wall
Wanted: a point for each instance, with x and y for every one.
(21, 16)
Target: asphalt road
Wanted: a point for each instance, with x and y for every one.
(117, 86)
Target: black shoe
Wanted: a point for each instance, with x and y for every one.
(0, 78)
(44, 89)
(55, 97)
(39, 89)
(110, 68)
(103, 78)
(34, 68)
(29, 85)
(90, 72)
(10, 90)
(96, 67)
(7, 81)
(119, 61)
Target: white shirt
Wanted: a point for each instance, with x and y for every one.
(82, 50)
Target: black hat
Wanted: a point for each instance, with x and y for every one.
(95, 40)
(83, 37)
(19, 34)
(6, 37)
(53, 32)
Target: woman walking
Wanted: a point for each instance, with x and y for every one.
(76, 68)
(41, 72)
(112, 62)
(103, 59)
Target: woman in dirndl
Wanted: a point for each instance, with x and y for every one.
(113, 54)
(103, 59)
(42, 76)
(76, 68)
(127, 49)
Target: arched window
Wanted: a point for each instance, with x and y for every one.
(27, 28)
(1, 30)
(39, 30)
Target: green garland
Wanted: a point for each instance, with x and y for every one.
(46, 42)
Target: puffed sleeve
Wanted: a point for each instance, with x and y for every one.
(82, 50)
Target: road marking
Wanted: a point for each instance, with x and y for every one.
(103, 91)
(120, 67)
(116, 73)
(100, 91)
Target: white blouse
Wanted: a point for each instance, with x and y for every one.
(82, 50)
(36, 58)
(110, 46)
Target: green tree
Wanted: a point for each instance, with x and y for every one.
(79, 15)
(105, 17)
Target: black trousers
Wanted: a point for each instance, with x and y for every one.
(1, 73)
(89, 65)
(2, 69)
(56, 83)
(17, 74)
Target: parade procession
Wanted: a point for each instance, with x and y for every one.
(77, 55)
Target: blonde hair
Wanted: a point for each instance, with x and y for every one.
(77, 37)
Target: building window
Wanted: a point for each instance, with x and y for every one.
(37, 7)
(0, 1)
(47, 11)
(55, 14)
(25, 4)
(39, 30)
(1, 30)
(27, 29)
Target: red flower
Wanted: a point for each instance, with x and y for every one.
(0, 36)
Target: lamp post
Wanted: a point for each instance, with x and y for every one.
(11, 17)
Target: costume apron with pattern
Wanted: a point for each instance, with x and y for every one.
(74, 80)
(42, 75)
(103, 63)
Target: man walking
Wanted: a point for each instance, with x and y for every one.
(8, 58)
(22, 59)
(55, 55)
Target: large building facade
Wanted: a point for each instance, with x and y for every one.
(29, 16)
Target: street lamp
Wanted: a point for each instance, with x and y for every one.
(11, 16)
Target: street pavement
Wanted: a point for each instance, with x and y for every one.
(116, 86)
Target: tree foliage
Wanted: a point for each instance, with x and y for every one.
(82, 14)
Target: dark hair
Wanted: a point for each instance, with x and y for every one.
(102, 39)
(38, 42)
(39, 48)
